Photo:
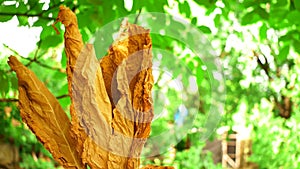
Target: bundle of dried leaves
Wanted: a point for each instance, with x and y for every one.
(111, 104)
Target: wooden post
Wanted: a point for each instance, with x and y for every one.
(236, 148)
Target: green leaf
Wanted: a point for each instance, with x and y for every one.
(206, 3)
(32, 3)
(23, 20)
(64, 89)
(14, 82)
(263, 32)
(297, 4)
(137, 5)
(95, 2)
(249, 18)
(283, 54)
(294, 17)
(59, 75)
(277, 14)
(281, 3)
(156, 6)
(297, 46)
(250, 3)
(121, 10)
(22, 8)
(4, 87)
(85, 35)
(41, 22)
(84, 19)
(63, 61)
(84, 2)
(47, 30)
(287, 37)
(5, 18)
(51, 41)
(262, 13)
(200, 76)
(191, 65)
(194, 21)
(8, 9)
(184, 8)
(217, 20)
(35, 7)
(107, 6)
(204, 29)
(210, 10)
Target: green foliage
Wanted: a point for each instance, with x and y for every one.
(194, 159)
(14, 131)
(29, 162)
(282, 146)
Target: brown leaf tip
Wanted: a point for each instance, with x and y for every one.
(13, 62)
(66, 16)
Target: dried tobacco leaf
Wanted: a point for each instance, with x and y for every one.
(110, 130)
(72, 36)
(93, 107)
(73, 44)
(73, 47)
(142, 100)
(45, 117)
(128, 66)
(91, 143)
(122, 122)
(112, 101)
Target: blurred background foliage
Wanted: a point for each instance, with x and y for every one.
(257, 42)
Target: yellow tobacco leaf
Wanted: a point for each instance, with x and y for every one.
(111, 104)
(117, 131)
(108, 68)
(92, 106)
(140, 48)
(127, 72)
(73, 47)
(73, 41)
(41, 111)
(72, 36)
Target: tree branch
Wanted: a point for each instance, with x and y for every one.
(16, 100)
(264, 66)
(62, 96)
(8, 100)
(40, 15)
(35, 59)
(49, 67)
(138, 15)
